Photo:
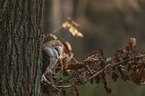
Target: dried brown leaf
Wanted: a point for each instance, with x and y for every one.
(113, 61)
(73, 28)
(92, 81)
(128, 48)
(101, 51)
(88, 74)
(68, 46)
(136, 76)
(143, 76)
(66, 24)
(97, 79)
(116, 57)
(126, 57)
(102, 64)
(75, 66)
(107, 86)
(109, 59)
(53, 36)
(123, 73)
(105, 81)
(73, 23)
(132, 42)
(75, 32)
(115, 76)
(74, 91)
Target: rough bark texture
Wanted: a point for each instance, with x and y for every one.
(20, 48)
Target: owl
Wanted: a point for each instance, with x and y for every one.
(51, 52)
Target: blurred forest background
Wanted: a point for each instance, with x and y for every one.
(106, 24)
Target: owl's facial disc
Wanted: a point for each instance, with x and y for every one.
(58, 51)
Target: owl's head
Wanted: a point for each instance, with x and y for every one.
(53, 49)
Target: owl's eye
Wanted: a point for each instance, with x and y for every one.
(57, 50)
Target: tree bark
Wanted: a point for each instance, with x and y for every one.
(20, 47)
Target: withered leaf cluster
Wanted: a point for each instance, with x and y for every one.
(73, 27)
(127, 64)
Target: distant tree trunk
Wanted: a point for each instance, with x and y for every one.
(20, 47)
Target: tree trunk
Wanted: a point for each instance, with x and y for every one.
(20, 47)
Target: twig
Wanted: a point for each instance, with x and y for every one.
(109, 67)
(62, 86)
(56, 86)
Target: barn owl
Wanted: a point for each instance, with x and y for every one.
(52, 51)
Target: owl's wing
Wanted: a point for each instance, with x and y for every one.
(45, 61)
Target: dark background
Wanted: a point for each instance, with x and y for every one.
(106, 24)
